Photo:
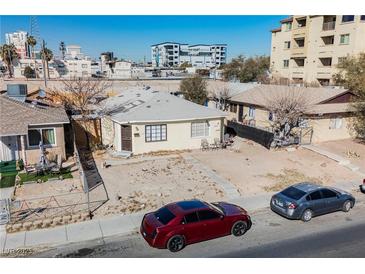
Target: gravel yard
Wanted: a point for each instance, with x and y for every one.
(149, 184)
(353, 150)
(254, 169)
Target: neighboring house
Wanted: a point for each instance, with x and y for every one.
(24, 123)
(145, 121)
(329, 113)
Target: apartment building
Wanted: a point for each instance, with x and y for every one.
(307, 49)
(19, 39)
(172, 54)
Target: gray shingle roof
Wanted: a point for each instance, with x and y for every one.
(148, 106)
(15, 116)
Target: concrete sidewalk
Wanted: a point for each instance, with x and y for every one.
(99, 229)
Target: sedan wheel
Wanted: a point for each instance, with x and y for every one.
(307, 215)
(239, 228)
(176, 243)
(346, 206)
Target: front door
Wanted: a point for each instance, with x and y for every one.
(126, 138)
(240, 113)
(9, 148)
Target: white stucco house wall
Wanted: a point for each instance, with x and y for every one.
(145, 121)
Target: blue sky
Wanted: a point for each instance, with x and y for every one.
(130, 37)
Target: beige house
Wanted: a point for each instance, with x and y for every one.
(24, 124)
(307, 49)
(145, 121)
(328, 117)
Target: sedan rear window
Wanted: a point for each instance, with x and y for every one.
(164, 215)
(293, 193)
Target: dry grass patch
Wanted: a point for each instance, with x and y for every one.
(288, 177)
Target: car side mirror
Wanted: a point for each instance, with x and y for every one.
(338, 196)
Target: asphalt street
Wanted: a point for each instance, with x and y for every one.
(334, 235)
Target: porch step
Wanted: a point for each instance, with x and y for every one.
(120, 154)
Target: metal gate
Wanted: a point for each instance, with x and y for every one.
(4, 211)
(306, 135)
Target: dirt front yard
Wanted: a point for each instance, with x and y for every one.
(148, 184)
(254, 169)
(353, 150)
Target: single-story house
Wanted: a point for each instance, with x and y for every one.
(25, 123)
(329, 111)
(144, 121)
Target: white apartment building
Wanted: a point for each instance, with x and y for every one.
(36, 65)
(171, 54)
(307, 49)
(73, 52)
(19, 39)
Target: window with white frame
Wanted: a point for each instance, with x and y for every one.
(286, 63)
(345, 39)
(200, 129)
(251, 112)
(335, 123)
(44, 135)
(156, 133)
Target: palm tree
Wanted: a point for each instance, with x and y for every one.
(62, 49)
(31, 41)
(47, 55)
(8, 54)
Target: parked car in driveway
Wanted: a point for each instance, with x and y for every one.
(306, 200)
(186, 222)
(362, 187)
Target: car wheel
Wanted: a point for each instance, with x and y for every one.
(307, 215)
(176, 243)
(347, 206)
(239, 228)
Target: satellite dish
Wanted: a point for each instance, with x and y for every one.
(42, 93)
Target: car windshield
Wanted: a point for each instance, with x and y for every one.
(217, 207)
(164, 215)
(293, 193)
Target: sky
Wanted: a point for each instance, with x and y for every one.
(130, 37)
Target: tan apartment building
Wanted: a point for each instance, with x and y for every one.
(307, 49)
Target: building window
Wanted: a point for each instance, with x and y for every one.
(335, 123)
(233, 108)
(44, 135)
(345, 39)
(271, 116)
(341, 60)
(156, 133)
(84, 65)
(200, 129)
(251, 112)
(286, 63)
(328, 40)
(348, 18)
(287, 45)
(362, 17)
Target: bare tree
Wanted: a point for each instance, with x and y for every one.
(221, 95)
(81, 97)
(286, 109)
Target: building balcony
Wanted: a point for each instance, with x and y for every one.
(297, 52)
(325, 71)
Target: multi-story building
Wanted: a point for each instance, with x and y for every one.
(73, 52)
(307, 49)
(19, 39)
(171, 54)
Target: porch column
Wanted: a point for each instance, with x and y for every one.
(22, 147)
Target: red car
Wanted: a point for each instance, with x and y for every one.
(179, 224)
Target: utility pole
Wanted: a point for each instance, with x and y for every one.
(43, 63)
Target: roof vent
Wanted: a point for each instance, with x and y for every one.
(17, 92)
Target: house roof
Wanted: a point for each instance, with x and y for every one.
(261, 95)
(276, 30)
(288, 19)
(16, 116)
(135, 106)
